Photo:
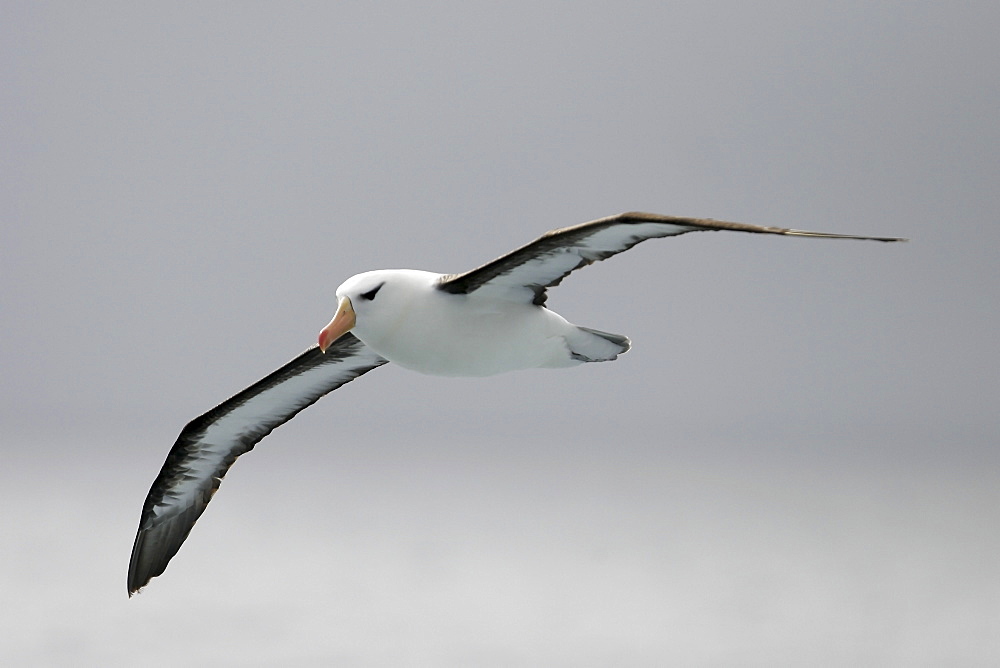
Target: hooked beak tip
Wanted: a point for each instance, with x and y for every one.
(342, 323)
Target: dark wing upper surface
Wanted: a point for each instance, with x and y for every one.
(209, 445)
(543, 263)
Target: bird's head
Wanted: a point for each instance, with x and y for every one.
(372, 303)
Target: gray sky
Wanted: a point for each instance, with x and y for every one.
(796, 464)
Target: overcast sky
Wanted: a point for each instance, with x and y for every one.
(796, 464)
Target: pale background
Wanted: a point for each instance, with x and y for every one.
(797, 463)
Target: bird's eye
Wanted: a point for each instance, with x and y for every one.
(370, 295)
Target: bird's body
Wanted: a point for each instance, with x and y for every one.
(489, 320)
(412, 323)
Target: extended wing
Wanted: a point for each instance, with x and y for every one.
(544, 262)
(209, 445)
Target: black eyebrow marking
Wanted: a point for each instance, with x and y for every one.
(370, 295)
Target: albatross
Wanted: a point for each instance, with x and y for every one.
(486, 321)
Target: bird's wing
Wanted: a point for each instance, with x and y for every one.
(543, 263)
(209, 445)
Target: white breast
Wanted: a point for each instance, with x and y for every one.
(425, 329)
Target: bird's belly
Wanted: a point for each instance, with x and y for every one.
(478, 343)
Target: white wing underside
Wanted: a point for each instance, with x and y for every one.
(209, 445)
(525, 273)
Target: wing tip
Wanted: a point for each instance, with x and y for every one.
(136, 585)
(137, 580)
(828, 235)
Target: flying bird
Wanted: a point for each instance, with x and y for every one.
(485, 321)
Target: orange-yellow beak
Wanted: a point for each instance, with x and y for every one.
(340, 325)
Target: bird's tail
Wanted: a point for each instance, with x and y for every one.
(591, 345)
